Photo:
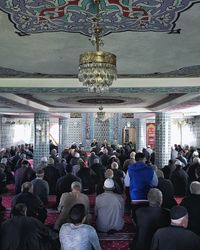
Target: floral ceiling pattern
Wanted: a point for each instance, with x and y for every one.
(36, 16)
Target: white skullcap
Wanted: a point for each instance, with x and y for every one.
(195, 153)
(77, 155)
(4, 160)
(44, 159)
(178, 163)
(109, 184)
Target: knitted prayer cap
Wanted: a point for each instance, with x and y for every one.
(178, 212)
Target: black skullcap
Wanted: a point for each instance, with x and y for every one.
(178, 212)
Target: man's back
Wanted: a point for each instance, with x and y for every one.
(78, 237)
(148, 220)
(24, 233)
(141, 177)
(34, 205)
(109, 211)
(51, 175)
(64, 185)
(167, 189)
(67, 201)
(41, 189)
(192, 203)
(175, 238)
(179, 179)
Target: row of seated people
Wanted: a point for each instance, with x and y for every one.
(35, 208)
(54, 168)
(73, 235)
(93, 177)
(63, 184)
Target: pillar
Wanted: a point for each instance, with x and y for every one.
(116, 128)
(87, 129)
(140, 134)
(63, 133)
(41, 140)
(111, 132)
(1, 131)
(163, 139)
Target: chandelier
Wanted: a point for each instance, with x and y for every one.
(97, 69)
(102, 116)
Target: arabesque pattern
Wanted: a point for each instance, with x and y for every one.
(38, 16)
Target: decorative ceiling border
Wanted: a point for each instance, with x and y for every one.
(77, 16)
(183, 72)
(144, 90)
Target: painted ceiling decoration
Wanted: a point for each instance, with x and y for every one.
(37, 16)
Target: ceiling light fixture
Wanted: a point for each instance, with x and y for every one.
(97, 69)
(101, 115)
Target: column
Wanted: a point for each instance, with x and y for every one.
(119, 123)
(163, 139)
(1, 131)
(87, 129)
(116, 128)
(111, 132)
(7, 130)
(63, 133)
(140, 134)
(92, 121)
(41, 142)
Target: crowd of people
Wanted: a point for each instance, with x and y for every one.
(121, 179)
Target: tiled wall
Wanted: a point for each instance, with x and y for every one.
(101, 130)
(163, 139)
(75, 131)
(41, 144)
(63, 133)
(197, 130)
(128, 121)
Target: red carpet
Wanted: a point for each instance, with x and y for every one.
(178, 199)
(6, 201)
(115, 245)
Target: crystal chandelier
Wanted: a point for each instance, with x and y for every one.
(97, 69)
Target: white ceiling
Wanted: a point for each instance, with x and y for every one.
(139, 56)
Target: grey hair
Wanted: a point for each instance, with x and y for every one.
(155, 197)
(76, 185)
(195, 187)
(26, 186)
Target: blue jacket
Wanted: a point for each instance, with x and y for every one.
(141, 180)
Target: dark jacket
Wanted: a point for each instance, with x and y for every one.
(63, 185)
(24, 233)
(22, 175)
(148, 220)
(191, 171)
(192, 203)
(179, 178)
(35, 207)
(51, 175)
(167, 189)
(175, 238)
(41, 189)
